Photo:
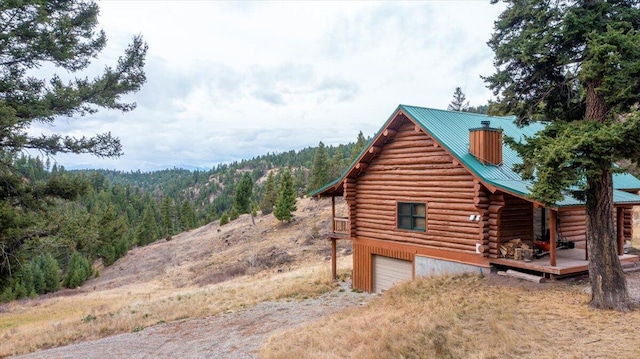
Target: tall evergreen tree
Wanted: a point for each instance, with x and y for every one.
(243, 193)
(299, 181)
(575, 64)
(459, 102)
(147, 230)
(111, 236)
(358, 146)
(286, 201)
(61, 35)
(337, 165)
(319, 168)
(270, 194)
(188, 215)
(165, 212)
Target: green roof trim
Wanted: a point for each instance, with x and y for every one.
(450, 129)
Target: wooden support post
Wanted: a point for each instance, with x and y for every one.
(620, 227)
(552, 237)
(333, 214)
(334, 275)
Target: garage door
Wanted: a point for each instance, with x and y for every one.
(389, 271)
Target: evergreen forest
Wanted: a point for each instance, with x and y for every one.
(105, 213)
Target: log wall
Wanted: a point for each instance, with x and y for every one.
(516, 220)
(482, 201)
(572, 226)
(411, 168)
(628, 224)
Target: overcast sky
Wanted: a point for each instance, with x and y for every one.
(233, 80)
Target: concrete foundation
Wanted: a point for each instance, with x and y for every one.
(425, 267)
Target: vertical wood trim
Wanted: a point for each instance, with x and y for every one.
(552, 237)
(486, 145)
(333, 259)
(620, 229)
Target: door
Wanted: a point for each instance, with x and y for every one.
(387, 272)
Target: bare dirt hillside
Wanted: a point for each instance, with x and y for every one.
(211, 254)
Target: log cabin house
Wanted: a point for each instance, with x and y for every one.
(435, 192)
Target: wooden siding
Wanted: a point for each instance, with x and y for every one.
(508, 217)
(572, 226)
(411, 168)
(496, 205)
(486, 145)
(628, 224)
(482, 201)
(516, 219)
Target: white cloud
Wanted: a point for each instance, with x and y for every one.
(233, 80)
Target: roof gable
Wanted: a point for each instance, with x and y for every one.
(450, 130)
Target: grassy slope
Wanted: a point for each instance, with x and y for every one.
(198, 273)
(441, 318)
(467, 317)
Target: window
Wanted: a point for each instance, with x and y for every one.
(412, 216)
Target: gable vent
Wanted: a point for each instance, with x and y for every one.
(485, 143)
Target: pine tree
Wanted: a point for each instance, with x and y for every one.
(299, 181)
(58, 35)
(575, 65)
(51, 272)
(188, 215)
(319, 168)
(167, 223)
(78, 271)
(224, 219)
(111, 231)
(243, 193)
(337, 165)
(458, 103)
(286, 201)
(358, 146)
(147, 230)
(269, 196)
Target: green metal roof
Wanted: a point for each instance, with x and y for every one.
(451, 130)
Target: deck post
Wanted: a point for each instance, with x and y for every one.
(333, 215)
(552, 237)
(620, 227)
(333, 260)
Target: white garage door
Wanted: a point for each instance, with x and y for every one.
(389, 271)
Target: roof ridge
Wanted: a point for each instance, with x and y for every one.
(508, 117)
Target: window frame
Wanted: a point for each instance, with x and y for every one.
(412, 216)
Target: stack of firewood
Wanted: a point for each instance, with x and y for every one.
(516, 249)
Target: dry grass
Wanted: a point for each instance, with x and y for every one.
(193, 275)
(466, 317)
(31, 325)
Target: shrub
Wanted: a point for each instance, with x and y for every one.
(224, 219)
(51, 271)
(78, 271)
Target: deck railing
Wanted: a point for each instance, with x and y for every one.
(341, 225)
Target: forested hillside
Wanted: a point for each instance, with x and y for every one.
(104, 213)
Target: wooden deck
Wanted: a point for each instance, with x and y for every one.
(568, 261)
